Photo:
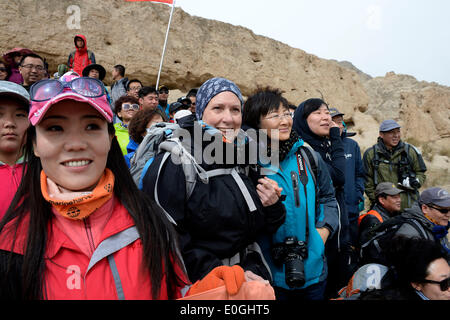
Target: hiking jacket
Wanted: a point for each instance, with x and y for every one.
(113, 271)
(354, 176)
(123, 137)
(10, 177)
(388, 169)
(81, 57)
(215, 225)
(324, 214)
(131, 149)
(331, 150)
(370, 219)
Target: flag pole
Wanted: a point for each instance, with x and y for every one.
(165, 44)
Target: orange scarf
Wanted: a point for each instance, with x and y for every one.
(78, 205)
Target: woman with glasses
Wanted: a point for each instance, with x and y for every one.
(421, 271)
(126, 107)
(311, 212)
(78, 227)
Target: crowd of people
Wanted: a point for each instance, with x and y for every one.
(269, 191)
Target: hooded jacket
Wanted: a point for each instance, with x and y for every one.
(354, 176)
(81, 57)
(331, 150)
(323, 215)
(10, 177)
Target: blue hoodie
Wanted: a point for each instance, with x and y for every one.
(325, 215)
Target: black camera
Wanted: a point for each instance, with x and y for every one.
(291, 253)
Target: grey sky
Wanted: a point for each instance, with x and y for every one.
(377, 36)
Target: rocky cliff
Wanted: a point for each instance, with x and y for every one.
(132, 34)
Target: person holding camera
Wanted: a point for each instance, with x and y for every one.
(392, 160)
(296, 252)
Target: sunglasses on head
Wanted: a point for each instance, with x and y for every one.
(127, 106)
(441, 210)
(85, 86)
(443, 284)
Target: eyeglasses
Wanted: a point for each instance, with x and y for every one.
(277, 117)
(3, 69)
(127, 106)
(135, 88)
(164, 91)
(444, 284)
(32, 66)
(85, 86)
(441, 210)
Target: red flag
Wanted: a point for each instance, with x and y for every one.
(164, 1)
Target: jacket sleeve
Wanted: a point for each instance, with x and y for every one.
(368, 173)
(359, 172)
(327, 212)
(337, 171)
(418, 165)
(70, 61)
(172, 196)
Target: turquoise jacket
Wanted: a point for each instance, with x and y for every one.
(325, 214)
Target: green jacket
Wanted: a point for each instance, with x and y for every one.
(389, 165)
(122, 137)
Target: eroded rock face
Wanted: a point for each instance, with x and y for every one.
(132, 34)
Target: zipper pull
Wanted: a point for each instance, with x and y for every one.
(294, 178)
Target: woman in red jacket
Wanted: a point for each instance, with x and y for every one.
(78, 227)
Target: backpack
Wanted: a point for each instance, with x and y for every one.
(380, 236)
(368, 277)
(164, 137)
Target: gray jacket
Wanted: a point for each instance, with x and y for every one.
(415, 213)
(118, 90)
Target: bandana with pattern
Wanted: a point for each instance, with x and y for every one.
(78, 205)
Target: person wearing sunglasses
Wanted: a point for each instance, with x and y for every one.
(163, 96)
(126, 107)
(421, 272)
(432, 213)
(78, 228)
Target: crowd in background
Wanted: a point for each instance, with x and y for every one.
(298, 225)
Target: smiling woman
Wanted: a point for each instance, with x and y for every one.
(89, 232)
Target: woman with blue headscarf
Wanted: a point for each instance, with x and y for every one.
(221, 220)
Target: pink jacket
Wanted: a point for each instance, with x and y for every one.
(9, 182)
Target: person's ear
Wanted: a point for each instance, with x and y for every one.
(36, 153)
(417, 286)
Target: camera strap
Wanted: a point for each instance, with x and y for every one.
(303, 176)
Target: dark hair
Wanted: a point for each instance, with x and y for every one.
(32, 55)
(312, 105)
(131, 81)
(158, 236)
(8, 68)
(411, 258)
(123, 99)
(262, 102)
(146, 91)
(138, 124)
(121, 69)
(192, 93)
